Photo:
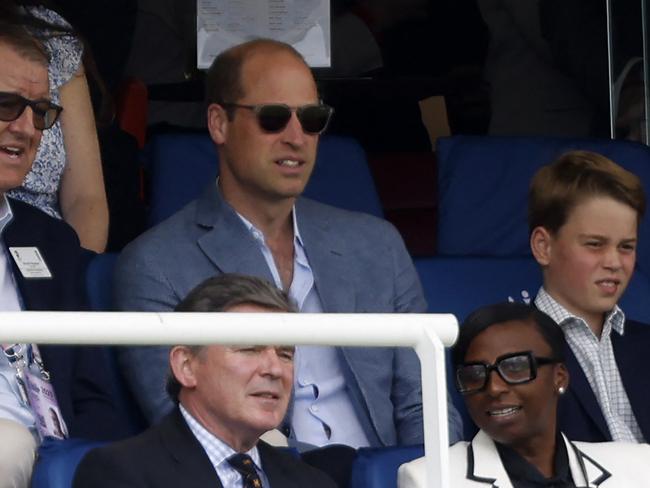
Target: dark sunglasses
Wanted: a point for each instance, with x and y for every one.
(274, 117)
(13, 105)
(514, 368)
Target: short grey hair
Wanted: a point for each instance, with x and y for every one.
(222, 293)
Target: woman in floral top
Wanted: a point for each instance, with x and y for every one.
(66, 179)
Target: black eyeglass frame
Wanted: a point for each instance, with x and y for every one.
(257, 109)
(534, 362)
(40, 114)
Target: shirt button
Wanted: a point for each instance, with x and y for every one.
(314, 408)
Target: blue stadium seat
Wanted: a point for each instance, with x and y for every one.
(181, 165)
(377, 467)
(99, 286)
(57, 461)
(460, 284)
(99, 282)
(483, 187)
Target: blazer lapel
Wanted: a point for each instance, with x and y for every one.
(484, 464)
(627, 351)
(275, 471)
(580, 389)
(36, 294)
(584, 470)
(226, 241)
(193, 465)
(328, 259)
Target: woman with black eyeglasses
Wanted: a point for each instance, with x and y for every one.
(509, 367)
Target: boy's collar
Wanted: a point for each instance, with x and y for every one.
(550, 306)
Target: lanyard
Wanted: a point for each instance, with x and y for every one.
(35, 389)
(18, 356)
(21, 357)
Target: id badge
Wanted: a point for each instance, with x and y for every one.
(30, 262)
(49, 421)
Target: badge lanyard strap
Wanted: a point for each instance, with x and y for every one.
(21, 356)
(15, 354)
(38, 361)
(35, 389)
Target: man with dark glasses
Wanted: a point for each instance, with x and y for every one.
(265, 117)
(44, 112)
(41, 268)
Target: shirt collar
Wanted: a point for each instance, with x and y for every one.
(546, 303)
(521, 470)
(6, 214)
(259, 236)
(217, 450)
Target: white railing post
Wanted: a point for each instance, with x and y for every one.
(431, 352)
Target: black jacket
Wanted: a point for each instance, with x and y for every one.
(80, 375)
(168, 455)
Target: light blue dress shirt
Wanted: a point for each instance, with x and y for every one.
(322, 411)
(11, 405)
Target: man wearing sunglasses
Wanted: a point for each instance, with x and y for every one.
(265, 117)
(41, 268)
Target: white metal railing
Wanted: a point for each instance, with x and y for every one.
(426, 333)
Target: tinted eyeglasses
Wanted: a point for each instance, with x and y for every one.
(13, 105)
(514, 368)
(274, 117)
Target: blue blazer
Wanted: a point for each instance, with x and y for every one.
(79, 374)
(359, 263)
(579, 414)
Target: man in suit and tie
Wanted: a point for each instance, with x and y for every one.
(41, 268)
(265, 117)
(226, 398)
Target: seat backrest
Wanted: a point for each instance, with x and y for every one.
(460, 285)
(342, 177)
(483, 187)
(376, 467)
(99, 281)
(99, 289)
(181, 165)
(57, 462)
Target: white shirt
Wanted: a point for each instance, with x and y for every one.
(11, 405)
(322, 411)
(9, 297)
(596, 358)
(218, 452)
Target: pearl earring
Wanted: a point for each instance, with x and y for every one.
(561, 390)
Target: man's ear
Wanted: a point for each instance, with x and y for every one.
(181, 362)
(540, 245)
(217, 123)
